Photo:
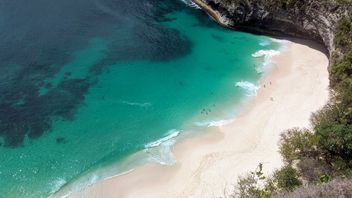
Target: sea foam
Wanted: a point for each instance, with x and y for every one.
(281, 41)
(190, 3)
(160, 150)
(145, 104)
(170, 136)
(267, 55)
(57, 184)
(283, 44)
(216, 123)
(250, 88)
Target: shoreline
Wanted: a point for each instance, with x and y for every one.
(209, 164)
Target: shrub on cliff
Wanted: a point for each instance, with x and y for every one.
(335, 140)
(286, 179)
(333, 124)
(343, 38)
(256, 185)
(296, 144)
(335, 188)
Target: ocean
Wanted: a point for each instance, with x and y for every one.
(95, 88)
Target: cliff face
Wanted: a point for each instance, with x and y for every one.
(315, 19)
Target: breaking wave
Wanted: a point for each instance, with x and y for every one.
(267, 55)
(190, 3)
(250, 88)
(216, 123)
(145, 105)
(57, 184)
(160, 150)
(283, 44)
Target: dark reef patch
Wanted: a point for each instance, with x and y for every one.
(37, 39)
(60, 140)
(23, 112)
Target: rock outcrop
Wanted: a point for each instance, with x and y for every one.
(314, 19)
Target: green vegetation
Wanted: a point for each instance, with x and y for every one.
(333, 124)
(256, 185)
(250, 185)
(335, 188)
(319, 157)
(287, 179)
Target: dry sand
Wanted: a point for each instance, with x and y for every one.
(209, 165)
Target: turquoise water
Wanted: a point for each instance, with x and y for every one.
(123, 105)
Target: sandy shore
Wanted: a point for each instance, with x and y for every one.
(212, 162)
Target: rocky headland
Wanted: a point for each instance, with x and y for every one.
(315, 20)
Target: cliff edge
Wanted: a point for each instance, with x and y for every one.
(315, 20)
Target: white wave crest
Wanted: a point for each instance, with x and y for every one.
(57, 184)
(280, 41)
(171, 134)
(217, 123)
(160, 150)
(145, 105)
(283, 43)
(268, 55)
(250, 88)
(190, 3)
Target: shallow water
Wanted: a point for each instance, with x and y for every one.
(87, 83)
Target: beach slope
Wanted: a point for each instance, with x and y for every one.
(209, 165)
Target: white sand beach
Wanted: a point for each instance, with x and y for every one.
(209, 165)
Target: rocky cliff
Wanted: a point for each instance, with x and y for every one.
(315, 19)
(327, 152)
